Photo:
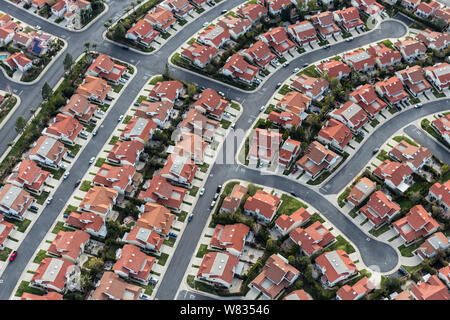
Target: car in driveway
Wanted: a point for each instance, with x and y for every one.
(13, 255)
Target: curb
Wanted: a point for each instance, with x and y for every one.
(12, 111)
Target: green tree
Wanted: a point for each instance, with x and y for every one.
(119, 32)
(415, 197)
(21, 122)
(46, 91)
(166, 73)
(95, 265)
(191, 89)
(68, 62)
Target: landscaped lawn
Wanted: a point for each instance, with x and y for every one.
(202, 251)
(163, 259)
(41, 255)
(225, 123)
(380, 231)
(289, 205)
(74, 149)
(170, 241)
(438, 94)
(341, 244)
(24, 286)
(182, 216)
(204, 167)
(141, 98)
(70, 209)
(161, 78)
(374, 123)
(383, 155)
(404, 138)
(99, 162)
(86, 185)
(407, 251)
(343, 196)
(310, 71)
(113, 140)
(59, 227)
(4, 253)
(235, 106)
(22, 225)
(284, 89)
(127, 119)
(40, 199)
(193, 191)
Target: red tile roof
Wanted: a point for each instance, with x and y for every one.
(230, 237)
(263, 203)
(336, 131)
(300, 216)
(134, 263)
(156, 217)
(379, 208)
(431, 289)
(69, 243)
(313, 238)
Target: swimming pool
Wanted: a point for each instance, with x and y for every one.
(3, 56)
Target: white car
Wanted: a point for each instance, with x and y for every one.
(38, 27)
(418, 105)
(216, 196)
(120, 118)
(202, 191)
(94, 133)
(213, 204)
(296, 70)
(206, 24)
(262, 108)
(49, 200)
(66, 175)
(91, 161)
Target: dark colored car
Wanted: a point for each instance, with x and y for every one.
(77, 183)
(190, 217)
(13, 255)
(219, 187)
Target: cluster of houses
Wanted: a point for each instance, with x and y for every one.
(271, 45)
(161, 19)
(364, 103)
(432, 10)
(442, 127)
(34, 43)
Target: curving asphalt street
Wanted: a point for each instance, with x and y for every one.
(373, 253)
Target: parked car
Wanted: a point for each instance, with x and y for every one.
(202, 191)
(153, 280)
(206, 24)
(77, 183)
(403, 271)
(34, 208)
(221, 93)
(286, 64)
(224, 11)
(100, 112)
(418, 105)
(66, 175)
(91, 161)
(327, 46)
(262, 108)
(293, 194)
(305, 65)
(38, 27)
(216, 196)
(49, 200)
(126, 76)
(440, 115)
(296, 70)
(190, 217)
(65, 216)
(108, 98)
(120, 118)
(136, 104)
(122, 80)
(94, 133)
(13, 255)
(219, 187)
(278, 84)
(70, 155)
(374, 151)
(262, 74)
(233, 126)
(213, 204)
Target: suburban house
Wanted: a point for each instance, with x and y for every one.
(232, 202)
(21, 39)
(80, 108)
(95, 89)
(360, 191)
(411, 49)
(410, 4)
(99, 200)
(324, 23)
(237, 68)
(211, 103)
(277, 275)
(161, 19)
(144, 238)
(289, 151)
(442, 127)
(27, 174)
(139, 129)
(53, 274)
(441, 194)
(312, 239)
(439, 75)
(263, 145)
(349, 19)
(334, 69)
(431, 246)
(415, 157)
(295, 102)
(69, 245)
(431, 288)
(278, 40)
(64, 128)
(88, 222)
(193, 146)
(143, 33)
(444, 275)
(369, 7)
(236, 26)
(260, 54)
(179, 170)
(314, 88)
(392, 90)
(286, 223)
(285, 119)
(276, 6)
(199, 55)
(414, 80)
(48, 152)
(5, 229)
(434, 40)
(214, 36)
(356, 291)
(424, 10)
(18, 61)
(53, 296)
(6, 36)
(125, 152)
(252, 11)
(158, 111)
(352, 115)
(218, 268)
(379, 209)
(335, 134)
(166, 91)
(105, 68)
(112, 287)
(360, 60)
(366, 97)
(155, 217)
(396, 175)
(133, 264)
(335, 266)
(117, 178)
(384, 57)
(298, 295)
(164, 193)
(417, 223)
(443, 14)
(230, 237)
(263, 205)
(317, 159)
(302, 33)
(180, 8)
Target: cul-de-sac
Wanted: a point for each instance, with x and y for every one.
(247, 150)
